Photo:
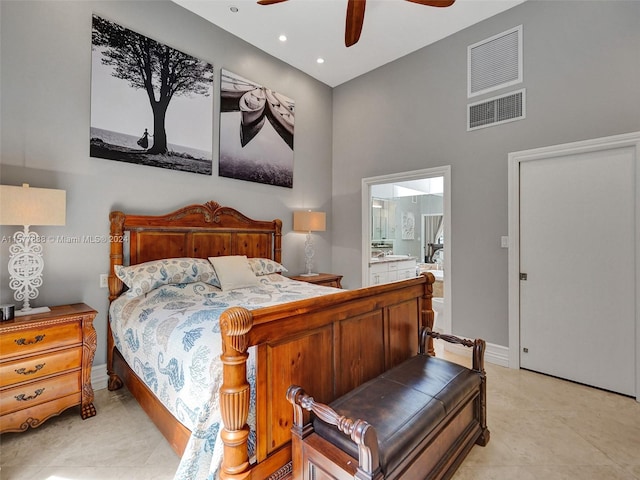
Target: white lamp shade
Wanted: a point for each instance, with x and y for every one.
(32, 206)
(307, 221)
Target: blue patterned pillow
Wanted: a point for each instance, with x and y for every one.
(144, 277)
(265, 266)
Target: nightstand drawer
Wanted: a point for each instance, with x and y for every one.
(21, 420)
(39, 338)
(34, 393)
(39, 366)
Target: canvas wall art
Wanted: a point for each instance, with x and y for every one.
(408, 226)
(256, 132)
(150, 104)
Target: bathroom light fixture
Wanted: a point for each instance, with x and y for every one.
(308, 221)
(28, 206)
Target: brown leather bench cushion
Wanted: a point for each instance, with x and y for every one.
(403, 404)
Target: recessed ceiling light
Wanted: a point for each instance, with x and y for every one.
(320, 60)
(234, 9)
(282, 38)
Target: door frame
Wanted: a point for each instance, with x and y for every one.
(628, 140)
(443, 171)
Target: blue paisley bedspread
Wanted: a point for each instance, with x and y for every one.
(171, 338)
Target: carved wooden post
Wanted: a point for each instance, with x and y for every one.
(361, 433)
(478, 365)
(116, 231)
(302, 428)
(427, 310)
(117, 240)
(277, 241)
(89, 342)
(235, 323)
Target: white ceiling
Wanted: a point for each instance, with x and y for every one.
(315, 28)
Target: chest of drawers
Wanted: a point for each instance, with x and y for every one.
(45, 366)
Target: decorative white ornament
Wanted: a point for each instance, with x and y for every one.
(25, 268)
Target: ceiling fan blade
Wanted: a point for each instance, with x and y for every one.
(270, 2)
(355, 19)
(434, 3)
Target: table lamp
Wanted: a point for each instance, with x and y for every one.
(28, 206)
(308, 221)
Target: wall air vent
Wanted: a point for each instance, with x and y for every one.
(495, 62)
(497, 110)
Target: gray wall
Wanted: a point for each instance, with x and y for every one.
(581, 71)
(45, 118)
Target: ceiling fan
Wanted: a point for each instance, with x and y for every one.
(355, 15)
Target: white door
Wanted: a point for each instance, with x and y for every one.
(577, 304)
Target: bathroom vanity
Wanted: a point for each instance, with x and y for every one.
(389, 268)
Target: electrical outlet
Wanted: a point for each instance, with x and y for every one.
(104, 280)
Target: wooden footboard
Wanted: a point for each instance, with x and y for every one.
(355, 335)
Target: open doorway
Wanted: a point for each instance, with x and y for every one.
(407, 217)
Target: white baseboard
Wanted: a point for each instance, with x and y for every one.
(495, 354)
(99, 377)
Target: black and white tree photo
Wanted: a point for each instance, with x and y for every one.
(150, 104)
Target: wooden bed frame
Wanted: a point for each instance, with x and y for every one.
(358, 334)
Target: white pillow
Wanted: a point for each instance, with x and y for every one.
(233, 272)
(265, 266)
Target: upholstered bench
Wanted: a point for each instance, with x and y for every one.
(416, 421)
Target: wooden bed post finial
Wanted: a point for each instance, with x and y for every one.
(235, 323)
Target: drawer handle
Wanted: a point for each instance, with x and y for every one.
(24, 341)
(24, 371)
(23, 398)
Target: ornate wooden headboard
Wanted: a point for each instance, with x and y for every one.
(200, 231)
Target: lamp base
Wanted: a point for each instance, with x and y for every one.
(32, 311)
(309, 274)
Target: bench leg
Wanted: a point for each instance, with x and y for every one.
(483, 439)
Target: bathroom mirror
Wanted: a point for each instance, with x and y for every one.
(379, 219)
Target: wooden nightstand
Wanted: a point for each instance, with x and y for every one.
(45, 366)
(326, 279)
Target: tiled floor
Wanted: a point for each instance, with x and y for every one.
(546, 428)
(119, 443)
(541, 428)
